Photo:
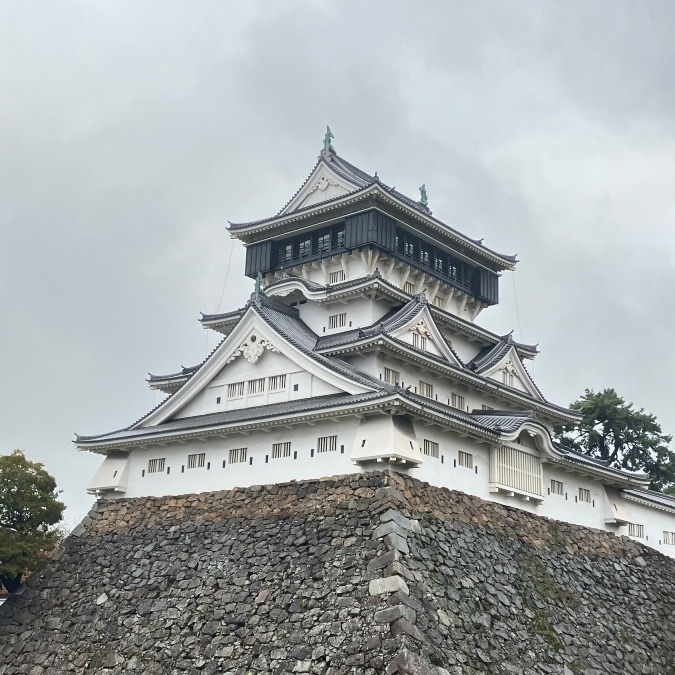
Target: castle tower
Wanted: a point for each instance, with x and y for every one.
(360, 349)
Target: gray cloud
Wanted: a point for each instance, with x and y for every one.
(130, 133)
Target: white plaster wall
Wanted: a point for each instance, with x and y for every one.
(179, 480)
(361, 313)
(655, 522)
(240, 370)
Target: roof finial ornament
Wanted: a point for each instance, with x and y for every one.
(328, 137)
(259, 285)
(424, 199)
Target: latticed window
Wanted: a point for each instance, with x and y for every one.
(584, 495)
(465, 459)
(486, 407)
(256, 386)
(237, 455)
(431, 448)
(391, 376)
(516, 469)
(439, 301)
(419, 341)
(337, 277)
(557, 487)
(196, 461)
(668, 537)
(156, 465)
(457, 401)
(235, 390)
(305, 248)
(280, 450)
(323, 243)
(635, 530)
(276, 383)
(409, 288)
(325, 444)
(507, 378)
(426, 389)
(337, 320)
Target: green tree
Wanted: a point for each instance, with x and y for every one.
(29, 512)
(613, 430)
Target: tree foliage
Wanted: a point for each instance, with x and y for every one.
(613, 430)
(29, 512)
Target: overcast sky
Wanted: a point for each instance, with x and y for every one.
(130, 132)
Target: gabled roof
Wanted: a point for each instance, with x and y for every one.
(367, 186)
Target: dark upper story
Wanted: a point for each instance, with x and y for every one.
(374, 229)
(363, 212)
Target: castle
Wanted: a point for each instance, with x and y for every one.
(359, 350)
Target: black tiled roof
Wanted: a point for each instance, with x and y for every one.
(234, 416)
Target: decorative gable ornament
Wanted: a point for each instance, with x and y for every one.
(510, 368)
(421, 328)
(253, 348)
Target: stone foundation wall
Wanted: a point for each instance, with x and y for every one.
(366, 573)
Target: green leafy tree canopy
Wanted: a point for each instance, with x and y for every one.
(613, 430)
(29, 512)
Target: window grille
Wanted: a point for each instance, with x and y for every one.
(196, 461)
(431, 448)
(584, 495)
(340, 238)
(337, 277)
(286, 254)
(507, 378)
(516, 469)
(465, 459)
(276, 383)
(281, 450)
(256, 386)
(486, 407)
(426, 389)
(323, 243)
(635, 530)
(235, 390)
(156, 465)
(237, 455)
(337, 320)
(409, 288)
(391, 376)
(668, 538)
(324, 444)
(305, 248)
(419, 341)
(557, 487)
(458, 401)
(438, 264)
(439, 301)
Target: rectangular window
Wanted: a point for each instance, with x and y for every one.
(339, 238)
(439, 301)
(557, 487)
(507, 378)
(337, 277)
(237, 455)
(409, 288)
(516, 469)
(281, 450)
(430, 448)
(286, 253)
(156, 465)
(235, 390)
(457, 401)
(305, 248)
(276, 383)
(196, 461)
(584, 495)
(668, 538)
(419, 341)
(635, 530)
(323, 243)
(486, 407)
(326, 444)
(337, 320)
(426, 389)
(391, 376)
(465, 459)
(256, 386)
